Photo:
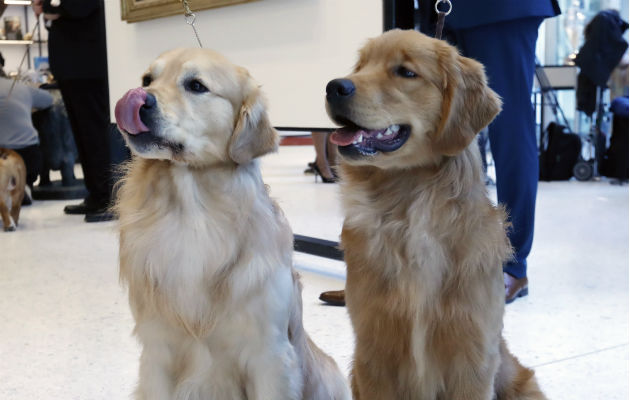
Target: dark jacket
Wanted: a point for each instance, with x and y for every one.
(472, 13)
(603, 47)
(76, 41)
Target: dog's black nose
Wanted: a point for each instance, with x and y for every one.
(150, 101)
(147, 109)
(339, 89)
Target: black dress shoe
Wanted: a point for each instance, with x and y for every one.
(514, 287)
(334, 297)
(85, 208)
(100, 216)
(75, 209)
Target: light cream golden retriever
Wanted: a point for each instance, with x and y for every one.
(206, 253)
(423, 244)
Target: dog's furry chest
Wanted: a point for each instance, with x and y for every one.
(176, 245)
(209, 297)
(172, 267)
(399, 238)
(428, 264)
(184, 243)
(424, 227)
(218, 363)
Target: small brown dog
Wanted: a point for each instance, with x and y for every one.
(12, 187)
(424, 246)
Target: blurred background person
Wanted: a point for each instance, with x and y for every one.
(325, 157)
(17, 101)
(78, 61)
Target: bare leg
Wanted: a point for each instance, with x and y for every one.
(15, 211)
(331, 152)
(319, 142)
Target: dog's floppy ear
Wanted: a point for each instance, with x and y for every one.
(253, 134)
(468, 104)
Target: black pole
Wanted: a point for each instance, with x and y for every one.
(317, 247)
(399, 14)
(389, 15)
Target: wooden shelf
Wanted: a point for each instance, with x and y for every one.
(20, 42)
(34, 41)
(18, 3)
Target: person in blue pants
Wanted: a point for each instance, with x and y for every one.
(502, 34)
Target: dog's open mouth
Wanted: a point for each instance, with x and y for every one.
(358, 141)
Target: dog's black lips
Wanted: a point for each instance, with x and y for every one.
(144, 141)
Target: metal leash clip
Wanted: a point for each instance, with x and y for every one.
(190, 18)
(441, 16)
(448, 2)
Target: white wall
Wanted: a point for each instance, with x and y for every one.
(292, 47)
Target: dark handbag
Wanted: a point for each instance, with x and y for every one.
(615, 162)
(559, 152)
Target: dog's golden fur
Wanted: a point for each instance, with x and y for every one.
(204, 250)
(12, 187)
(423, 244)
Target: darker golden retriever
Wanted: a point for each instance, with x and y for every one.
(424, 245)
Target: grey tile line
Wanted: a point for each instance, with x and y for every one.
(580, 355)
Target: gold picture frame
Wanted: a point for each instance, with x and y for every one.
(142, 10)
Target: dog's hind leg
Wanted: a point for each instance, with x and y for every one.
(7, 221)
(15, 210)
(322, 378)
(354, 387)
(369, 382)
(156, 382)
(514, 381)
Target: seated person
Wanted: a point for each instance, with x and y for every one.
(17, 131)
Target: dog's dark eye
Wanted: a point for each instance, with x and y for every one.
(196, 86)
(405, 73)
(146, 80)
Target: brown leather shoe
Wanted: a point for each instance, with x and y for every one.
(334, 297)
(514, 288)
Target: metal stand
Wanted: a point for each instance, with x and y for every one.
(317, 247)
(56, 191)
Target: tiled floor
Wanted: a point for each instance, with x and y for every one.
(65, 328)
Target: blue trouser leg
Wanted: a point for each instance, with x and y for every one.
(507, 50)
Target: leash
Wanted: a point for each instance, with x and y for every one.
(190, 17)
(441, 16)
(35, 28)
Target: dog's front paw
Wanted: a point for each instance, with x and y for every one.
(10, 228)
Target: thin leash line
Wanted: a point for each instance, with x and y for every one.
(441, 16)
(190, 17)
(35, 28)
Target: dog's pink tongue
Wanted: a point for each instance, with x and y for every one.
(345, 136)
(127, 111)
